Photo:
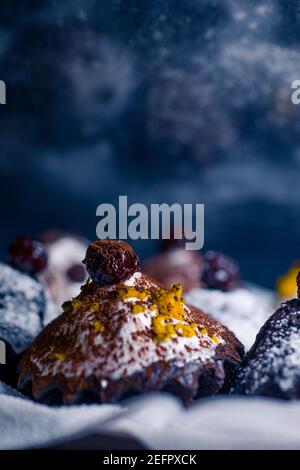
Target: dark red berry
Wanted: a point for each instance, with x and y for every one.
(28, 255)
(110, 261)
(76, 273)
(220, 272)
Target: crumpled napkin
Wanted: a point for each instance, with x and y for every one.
(158, 421)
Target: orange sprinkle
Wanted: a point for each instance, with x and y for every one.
(215, 339)
(94, 307)
(60, 356)
(137, 308)
(76, 305)
(98, 325)
(127, 292)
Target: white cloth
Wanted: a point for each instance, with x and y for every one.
(158, 421)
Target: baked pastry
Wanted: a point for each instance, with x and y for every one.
(242, 308)
(64, 273)
(272, 366)
(22, 304)
(176, 266)
(125, 334)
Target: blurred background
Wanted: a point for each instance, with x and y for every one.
(163, 101)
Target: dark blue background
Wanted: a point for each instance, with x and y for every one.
(165, 101)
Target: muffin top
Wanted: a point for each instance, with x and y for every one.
(113, 330)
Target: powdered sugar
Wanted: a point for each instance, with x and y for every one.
(272, 367)
(291, 364)
(242, 310)
(21, 307)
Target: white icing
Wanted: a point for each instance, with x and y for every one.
(22, 298)
(131, 282)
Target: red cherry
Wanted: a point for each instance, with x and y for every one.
(28, 255)
(110, 261)
(220, 272)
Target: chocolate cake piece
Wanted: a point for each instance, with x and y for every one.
(272, 366)
(176, 266)
(119, 338)
(22, 304)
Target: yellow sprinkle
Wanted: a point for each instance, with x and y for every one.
(178, 326)
(215, 339)
(170, 306)
(94, 307)
(286, 285)
(169, 303)
(177, 289)
(170, 330)
(163, 331)
(204, 331)
(152, 308)
(137, 308)
(187, 331)
(59, 356)
(98, 325)
(127, 292)
(76, 305)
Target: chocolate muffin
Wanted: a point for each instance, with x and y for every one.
(125, 334)
(176, 266)
(22, 304)
(272, 366)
